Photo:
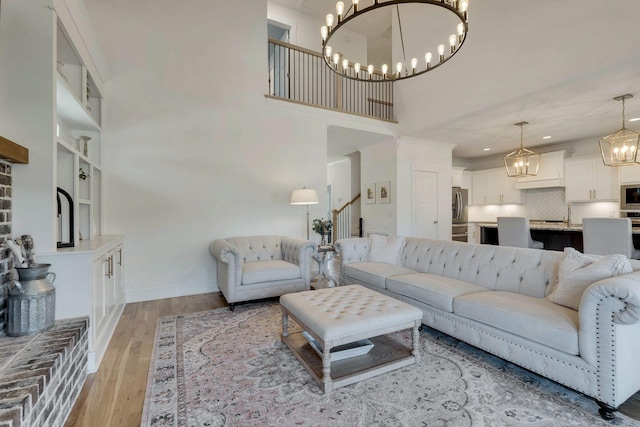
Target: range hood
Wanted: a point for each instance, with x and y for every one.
(550, 172)
(13, 152)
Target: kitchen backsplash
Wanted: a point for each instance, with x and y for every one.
(545, 204)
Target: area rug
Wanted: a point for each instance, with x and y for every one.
(223, 368)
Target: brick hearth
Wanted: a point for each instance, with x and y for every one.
(41, 375)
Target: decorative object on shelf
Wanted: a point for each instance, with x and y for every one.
(441, 14)
(65, 229)
(78, 141)
(323, 228)
(60, 67)
(370, 193)
(82, 174)
(522, 162)
(304, 196)
(31, 303)
(620, 148)
(383, 192)
(85, 145)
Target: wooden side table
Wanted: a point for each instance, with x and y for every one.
(323, 255)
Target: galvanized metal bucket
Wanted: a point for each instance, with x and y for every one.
(32, 301)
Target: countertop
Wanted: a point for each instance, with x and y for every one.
(549, 226)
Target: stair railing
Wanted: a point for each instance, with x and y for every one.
(342, 220)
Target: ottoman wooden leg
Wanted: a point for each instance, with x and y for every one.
(326, 369)
(415, 335)
(285, 324)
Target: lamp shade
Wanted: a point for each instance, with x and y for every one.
(304, 196)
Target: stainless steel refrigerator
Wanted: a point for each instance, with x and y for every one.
(459, 215)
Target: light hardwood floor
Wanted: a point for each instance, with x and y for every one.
(114, 396)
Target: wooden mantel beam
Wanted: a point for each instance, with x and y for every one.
(13, 152)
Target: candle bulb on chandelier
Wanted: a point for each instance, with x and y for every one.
(385, 67)
(370, 70)
(452, 42)
(339, 10)
(355, 6)
(336, 59)
(327, 51)
(324, 32)
(427, 59)
(441, 52)
(356, 68)
(460, 29)
(464, 5)
(398, 69)
(329, 19)
(345, 65)
(414, 64)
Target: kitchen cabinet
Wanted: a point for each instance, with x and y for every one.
(629, 174)
(587, 179)
(456, 176)
(90, 282)
(494, 187)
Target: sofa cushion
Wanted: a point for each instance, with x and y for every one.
(269, 271)
(386, 249)
(373, 273)
(536, 319)
(578, 271)
(437, 291)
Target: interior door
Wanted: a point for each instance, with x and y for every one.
(424, 196)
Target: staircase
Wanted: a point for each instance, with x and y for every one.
(342, 221)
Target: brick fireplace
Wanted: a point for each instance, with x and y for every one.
(6, 263)
(41, 375)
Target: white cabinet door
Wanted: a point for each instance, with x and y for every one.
(479, 182)
(629, 174)
(578, 180)
(605, 186)
(456, 176)
(495, 183)
(100, 307)
(118, 276)
(587, 179)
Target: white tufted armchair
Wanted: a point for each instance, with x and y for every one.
(255, 267)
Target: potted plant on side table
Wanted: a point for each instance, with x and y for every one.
(323, 228)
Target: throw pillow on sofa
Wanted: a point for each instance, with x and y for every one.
(578, 271)
(386, 249)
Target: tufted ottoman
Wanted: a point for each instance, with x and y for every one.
(336, 316)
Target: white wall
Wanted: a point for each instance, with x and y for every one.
(421, 154)
(378, 164)
(193, 151)
(339, 177)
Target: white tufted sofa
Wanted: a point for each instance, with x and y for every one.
(255, 267)
(493, 297)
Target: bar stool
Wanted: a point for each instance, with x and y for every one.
(514, 231)
(607, 236)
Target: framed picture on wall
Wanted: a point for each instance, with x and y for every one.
(370, 193)
(383, 192)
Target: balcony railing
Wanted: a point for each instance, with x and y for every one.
(301, 75)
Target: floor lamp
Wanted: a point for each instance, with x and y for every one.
(304, 196)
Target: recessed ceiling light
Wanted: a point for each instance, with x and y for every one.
(546, 137)
(635, 119)
(486, 149)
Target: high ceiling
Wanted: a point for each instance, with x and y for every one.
(556, 64)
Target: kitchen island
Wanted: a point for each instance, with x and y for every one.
(555, 235)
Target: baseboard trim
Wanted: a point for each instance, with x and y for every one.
(182, 290)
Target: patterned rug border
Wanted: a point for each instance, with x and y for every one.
(444, 341)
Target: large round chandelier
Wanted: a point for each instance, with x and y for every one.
(430, 57)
